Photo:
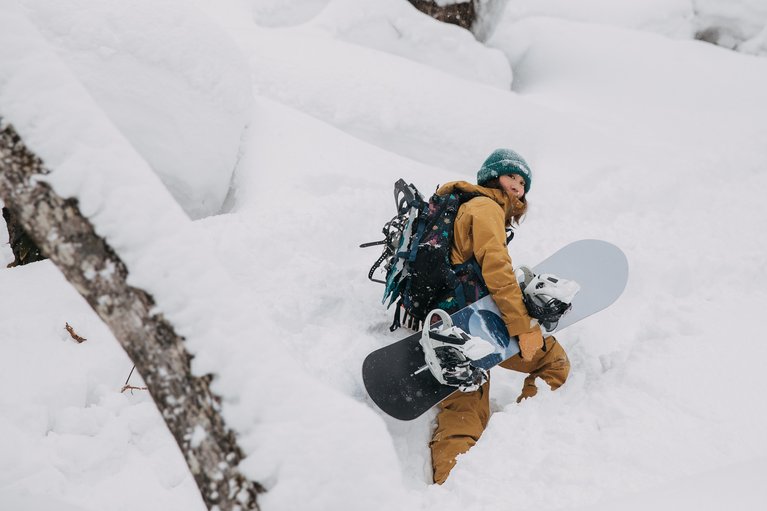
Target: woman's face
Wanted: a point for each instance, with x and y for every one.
(513, 185)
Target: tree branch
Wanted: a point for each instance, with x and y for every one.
(126, 386)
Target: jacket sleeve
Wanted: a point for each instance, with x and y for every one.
(489, 237)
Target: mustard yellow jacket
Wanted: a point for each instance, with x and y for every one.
(480, 231)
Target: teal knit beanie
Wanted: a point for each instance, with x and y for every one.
(503, 162)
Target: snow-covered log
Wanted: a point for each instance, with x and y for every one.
(186, 402)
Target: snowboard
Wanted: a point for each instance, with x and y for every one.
(394, 375)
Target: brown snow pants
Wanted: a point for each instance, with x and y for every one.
(463, 416)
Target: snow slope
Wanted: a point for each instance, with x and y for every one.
(737, 24)
(142, 60)
(653, 143)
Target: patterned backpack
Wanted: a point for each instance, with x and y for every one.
(419, 275)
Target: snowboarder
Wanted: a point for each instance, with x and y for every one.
(503, 183)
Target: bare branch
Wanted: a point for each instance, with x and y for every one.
(131, 387)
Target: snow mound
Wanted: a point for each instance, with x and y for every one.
(668, 17)
(177, 88)
(678, 84)
(400, 29)
(739, 24)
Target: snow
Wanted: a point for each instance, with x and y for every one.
(393, 27)
(236, 153)
(673, 18)
(736, 24)
(140, 60)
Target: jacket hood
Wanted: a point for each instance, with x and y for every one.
(510, 206)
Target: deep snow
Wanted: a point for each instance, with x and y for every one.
(636, 133)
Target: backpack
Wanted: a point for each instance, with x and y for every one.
(417, 242)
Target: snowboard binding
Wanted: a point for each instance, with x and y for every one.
(449, 352)
(547, 297)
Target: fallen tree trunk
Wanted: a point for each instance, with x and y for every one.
(189, 408)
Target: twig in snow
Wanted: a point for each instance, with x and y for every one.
(74, 335)
(131, 387)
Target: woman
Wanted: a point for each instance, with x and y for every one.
(479, 232)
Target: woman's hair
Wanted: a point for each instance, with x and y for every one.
(520, 204)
